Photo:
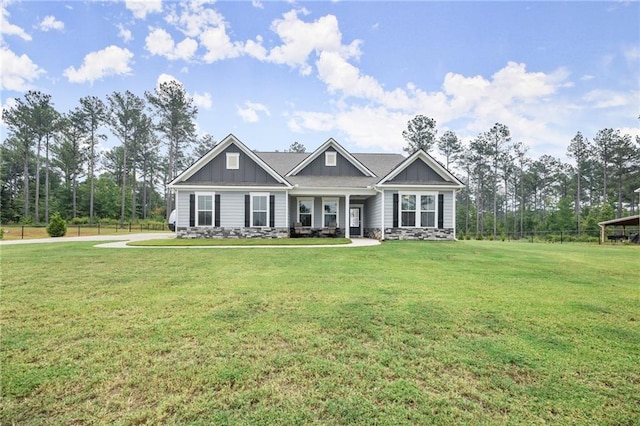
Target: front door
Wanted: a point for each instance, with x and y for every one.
(355, 221)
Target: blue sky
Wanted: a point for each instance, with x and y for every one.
(277, 72)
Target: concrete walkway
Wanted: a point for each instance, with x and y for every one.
(120, 241)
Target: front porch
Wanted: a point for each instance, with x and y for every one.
(317, 213)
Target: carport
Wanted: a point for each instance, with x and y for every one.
(624, 222)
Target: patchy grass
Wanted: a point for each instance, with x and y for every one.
(200, 242)
(402, 333)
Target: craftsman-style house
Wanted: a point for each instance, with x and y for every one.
(234, 192)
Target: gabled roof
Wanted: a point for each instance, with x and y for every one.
(421, 155)
(216, 150)
(335, 145)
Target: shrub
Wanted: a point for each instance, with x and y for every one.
(57, 226)
(1, 233)
(83, 220)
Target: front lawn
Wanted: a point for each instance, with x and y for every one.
(203, 242)
(472, 332)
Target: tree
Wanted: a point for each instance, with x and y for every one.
(176, 116)
(68, 152)
(578, 150)
(20, 129)
(420, 134)
(496, 138)
(623, 157)
(297, 147)
(450, 146)
(95, 115)
(602, 144)
(204, 145)
(124, 111)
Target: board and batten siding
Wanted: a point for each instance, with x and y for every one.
(232, 208)
(448, 208)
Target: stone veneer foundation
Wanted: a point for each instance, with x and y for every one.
(412, 234)
(219, 233)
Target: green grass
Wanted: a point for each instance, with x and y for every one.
(191, 242)
(402, 333)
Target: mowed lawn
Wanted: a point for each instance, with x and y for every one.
(472, 332)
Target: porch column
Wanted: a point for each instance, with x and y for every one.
(346, 216)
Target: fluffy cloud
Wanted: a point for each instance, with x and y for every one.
(250, 112)
(202, 100)
(219, 45)
(51, 23)
(109, 61)
(300, 39)
(8, 28)
(159, 42)
(17, 71)
(141, 8)
(124, 33)
(609, 98)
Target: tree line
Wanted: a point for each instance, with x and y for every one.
(508, 192)
(53, 162)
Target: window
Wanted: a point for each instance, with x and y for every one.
(408, 210)
(259, 209)
(305, 211)
(428, 211)
(204, 209)
(329, 211)
(233, 160)
(418, 210)
(330, 158)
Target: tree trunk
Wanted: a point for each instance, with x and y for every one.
(36, 207)
(124, 184)
(46, 183)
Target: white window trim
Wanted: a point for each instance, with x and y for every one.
(331, 158)
(337, 200)
(312, 208)
(418, 209)
(233, 160)
(259, 194)
(213, 207)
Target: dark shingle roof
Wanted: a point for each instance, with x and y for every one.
(379, 164)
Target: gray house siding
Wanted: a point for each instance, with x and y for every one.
(417, 172)
(249, 172)
(232, 208)
(317, 167)
(444, 233)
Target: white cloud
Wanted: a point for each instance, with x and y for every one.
(257, 4)
(124, 33)
(601, 98)
(587, 77)
(16, 72)
(249, 114)
(166, 78)
(219, 45)
(159, 42)
(141, 8)
(51, 23)
(301, 39)
(8, 28)
(202, 100)
(109, 61)
(194, 18)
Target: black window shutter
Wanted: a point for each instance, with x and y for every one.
(192, 210)
(395, 210)
(217, 211)
(272, 211)
(440, 211)
(247, 211)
